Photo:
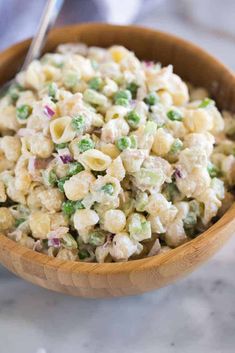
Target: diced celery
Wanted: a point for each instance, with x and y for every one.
(97, 238)
(194, 207)
(206, 103)
(139, 228)
(176, 146)
(133, 140)
(148, 177)
(71, 79)
(190, 220)
(93, 97)
(69, 242)
(150, 128)
(141, 201)
(23, 112)
(52, 90)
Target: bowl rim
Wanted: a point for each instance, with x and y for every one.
(33, 257)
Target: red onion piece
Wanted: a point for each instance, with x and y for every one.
(133, 103)
(32, 165)
(37, 245)
(178, 173)
(149, 63)
(65, 155)
(48, 111)
(54, 242)
(42, 163)
(55, 235)
(66, 159)
(37, 163)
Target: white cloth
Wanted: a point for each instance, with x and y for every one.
(19, 18)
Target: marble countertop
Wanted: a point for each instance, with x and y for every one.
(194, 315)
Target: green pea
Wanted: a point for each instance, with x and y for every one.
(83, 254)
(122, 101)
(176, 146)
(171, 191)
(213, 170)
(85, 144)
(75, 168)
(174, 115)
(133, 119)
(52, 177)
(151, 99)
(60, 183)
(14, 92)
(79, 205)
(78, 123)
(19, 221)
(124, 94)
(108, 189)
(23, 112)
(95, 83)
(68, 207)
(133, 87)
(190, 220)
(60, 146)
(123, 143)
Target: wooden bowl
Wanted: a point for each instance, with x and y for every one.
(119, 279)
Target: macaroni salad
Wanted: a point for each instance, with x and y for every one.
(106, 158)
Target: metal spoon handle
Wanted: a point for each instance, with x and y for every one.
(47, 20)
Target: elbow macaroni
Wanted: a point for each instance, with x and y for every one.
(106, 158)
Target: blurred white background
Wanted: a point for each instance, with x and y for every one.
(210, 23)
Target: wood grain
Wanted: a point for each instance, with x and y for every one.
(134, 277)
